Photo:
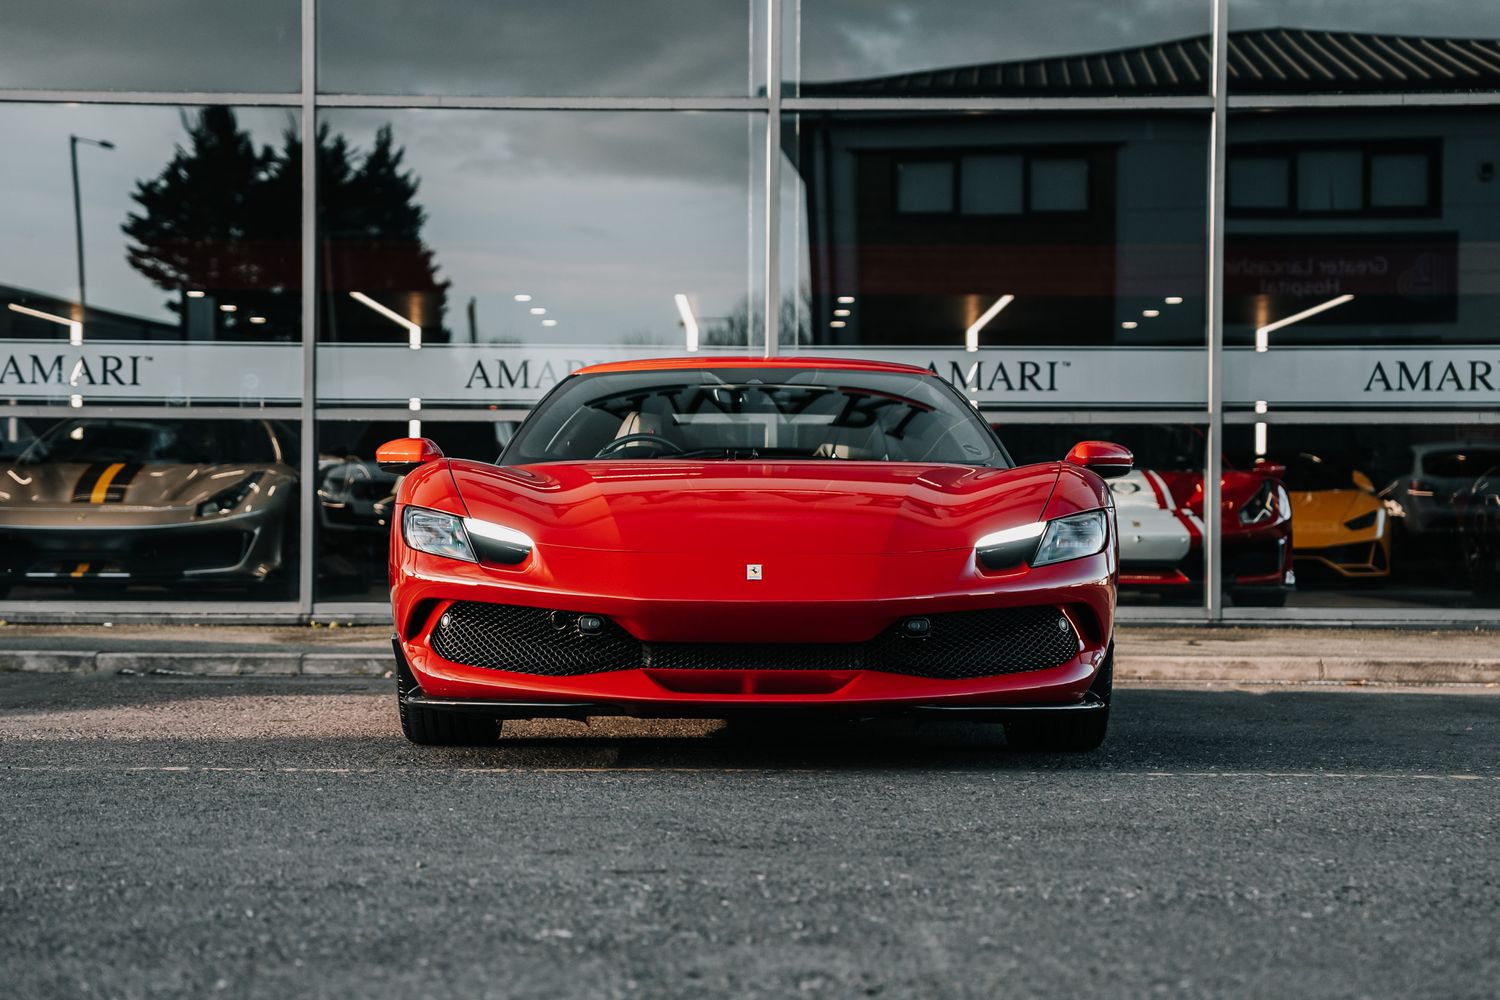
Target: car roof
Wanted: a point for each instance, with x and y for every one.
(720, 361)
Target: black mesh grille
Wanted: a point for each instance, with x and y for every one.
(978, 644)
(959, 645)
(531, 641)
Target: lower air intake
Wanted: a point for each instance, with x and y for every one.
(958, 645)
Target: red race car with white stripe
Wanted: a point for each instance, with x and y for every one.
(1161, 533)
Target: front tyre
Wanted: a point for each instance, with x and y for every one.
(1068, 732)
(432, 728)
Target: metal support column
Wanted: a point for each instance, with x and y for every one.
(1213, 569)
(309, 457)
(771, 259)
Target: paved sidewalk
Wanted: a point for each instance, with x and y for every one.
(1146, 653)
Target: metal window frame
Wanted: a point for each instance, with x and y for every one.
(1216, 104)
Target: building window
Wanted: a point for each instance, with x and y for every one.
(992, 184)
(1374, 179)
(924, 186)
(1399, 180)
(1260, 182)
(1059, 185)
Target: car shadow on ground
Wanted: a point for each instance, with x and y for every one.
(306, 723)
(1151, 730)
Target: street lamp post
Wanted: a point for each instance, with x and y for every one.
(73, 141)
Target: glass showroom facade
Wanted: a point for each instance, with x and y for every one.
(1257, 241)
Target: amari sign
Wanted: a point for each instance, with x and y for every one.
(1354, 377)
(187, 372)
(150, 371)
(516, 375)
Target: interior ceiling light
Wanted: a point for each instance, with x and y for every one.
(75, 328)
(413, 330)
(1262, 334)
(971, 335)
(689, 321)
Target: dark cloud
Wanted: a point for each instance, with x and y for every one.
(529, 47)
(711, 148)
(211, 45)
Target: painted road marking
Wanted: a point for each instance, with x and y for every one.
(210, 769)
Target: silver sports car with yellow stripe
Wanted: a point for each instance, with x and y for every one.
(96, 500)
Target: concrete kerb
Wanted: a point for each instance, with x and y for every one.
(1306, 669)
(231, 664)
(1140, 666)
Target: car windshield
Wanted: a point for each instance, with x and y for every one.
(756, 413)
(186, 442)
(1308, 472)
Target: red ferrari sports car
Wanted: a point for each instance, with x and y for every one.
(712, 536)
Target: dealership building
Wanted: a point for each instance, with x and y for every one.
(245, 244)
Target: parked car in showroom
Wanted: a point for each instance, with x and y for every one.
(1161, 531)
(1431, 495)
(711, 536)
(1479, 528)
(110, 502)
(1339, 525)
(355, 498)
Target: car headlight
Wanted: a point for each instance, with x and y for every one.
(436, 534)
(1045, 542)
(1073, 537)
(1268, 505)
(227, 500)
(1366, 520)
(466, 538)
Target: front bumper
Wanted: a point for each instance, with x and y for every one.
(1368, 558)
(1259, 560)
(1081, 591)
(235, 548)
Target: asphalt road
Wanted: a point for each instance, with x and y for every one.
(194, 838)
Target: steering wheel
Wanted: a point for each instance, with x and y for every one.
(654, 440)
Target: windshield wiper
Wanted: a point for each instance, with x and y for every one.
(730, 453)
(769, 454)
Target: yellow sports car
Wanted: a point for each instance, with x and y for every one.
(1338, 523)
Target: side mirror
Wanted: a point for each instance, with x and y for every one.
(405, 454)
(1362, 481)
(1103, 458)
(1275, 470)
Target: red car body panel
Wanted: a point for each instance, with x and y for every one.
(660, 547)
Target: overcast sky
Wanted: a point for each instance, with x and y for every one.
(604, 217)
(640, 47)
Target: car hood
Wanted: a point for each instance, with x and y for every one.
(118, 485)
(1334, 506)
(804, 507)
